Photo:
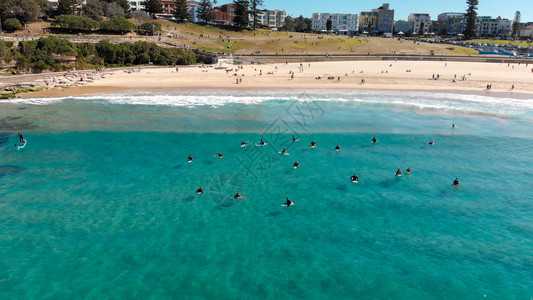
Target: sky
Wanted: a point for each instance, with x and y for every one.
(402, 8)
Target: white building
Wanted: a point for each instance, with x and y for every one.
(421, 23)
(194, 8)
(345, 24)
(504, 26)
(137, 5)
(271, 18)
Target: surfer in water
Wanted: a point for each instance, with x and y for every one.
(337, 148)
(431, 143)
(456, 182)
(243, 143)
(399, 172)
(283, 151)
(289, 202)
(374, 140)
(200, 191)
(313, 144)
(408, 171)
(296, 165)
(190, 159)
(237, 196)
(21, 139)
(220, 155)
(453, 125)
(354, 178)
(261, 142)
(293, 138)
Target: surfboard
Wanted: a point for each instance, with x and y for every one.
(355, 181)
(313, 146)
(190, 161)
(238, 197)
(198, 193)
(293, 203)
(23, 145)
(284, 153)
(244, 145)
(259, 145)
(296, 167)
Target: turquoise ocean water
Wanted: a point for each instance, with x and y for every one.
(101, 203)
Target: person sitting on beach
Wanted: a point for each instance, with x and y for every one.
(455, 182)
(374, 140)
(200, 191)
(399, 172)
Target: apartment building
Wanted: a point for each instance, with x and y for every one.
(421, 23)
(345, 24)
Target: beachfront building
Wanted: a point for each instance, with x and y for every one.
(344, 24)
(377, 21)
(526, 32)
(403, 26)
(504, 26)
(194, 9)
(455, 22)
(438, 28)
(137, 5)
(271, 18)
(421, 23)
(486, 26)
(224, 14)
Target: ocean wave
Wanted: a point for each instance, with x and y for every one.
(422, 101)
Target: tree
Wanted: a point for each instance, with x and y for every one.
(67, 7)
(125, 5)
(299, 24)
(289, 24)
(206, 11)
(93, 9)
(516, 25)
(241, 18)
(154, 6)
(113, 10)
(421, 30)
(329, 24)
(117, 24)
(181, 10)
(75, 22)
(471, 15)
(27, 11)
(149, 28)
(254, 11)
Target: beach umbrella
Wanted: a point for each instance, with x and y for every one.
(400, 33)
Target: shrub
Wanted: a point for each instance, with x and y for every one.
(117, 25)
(149, 27)
(75, 22)
(12, 24)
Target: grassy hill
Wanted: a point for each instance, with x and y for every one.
(214, 39)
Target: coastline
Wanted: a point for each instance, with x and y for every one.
(349, 75)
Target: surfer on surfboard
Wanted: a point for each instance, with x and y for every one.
(244, 144)
(284, 151)
(337, 148)
(294, 138)
(431, 143)
(200, 191)
(313, 144)
(399, 172)
(289, 202)
(408, 171)
(262, 143)
(456, 183)
(190, 159)
(354, 178)
(296, 165)
(374, 140)
(220, 155)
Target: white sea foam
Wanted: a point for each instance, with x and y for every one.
(423, 101)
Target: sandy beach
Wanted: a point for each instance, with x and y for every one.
(467, 77)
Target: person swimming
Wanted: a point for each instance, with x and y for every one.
(399, 172)
(431, 143)
(200, 191)
(313, 144)
(408, 171)
(354, 178)
(337, 148)
(261, 142)
(289, 202)
(190, 158)
(220, 155)
(283, 151)
(456, 182)
(374, 140)
(296, 165)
